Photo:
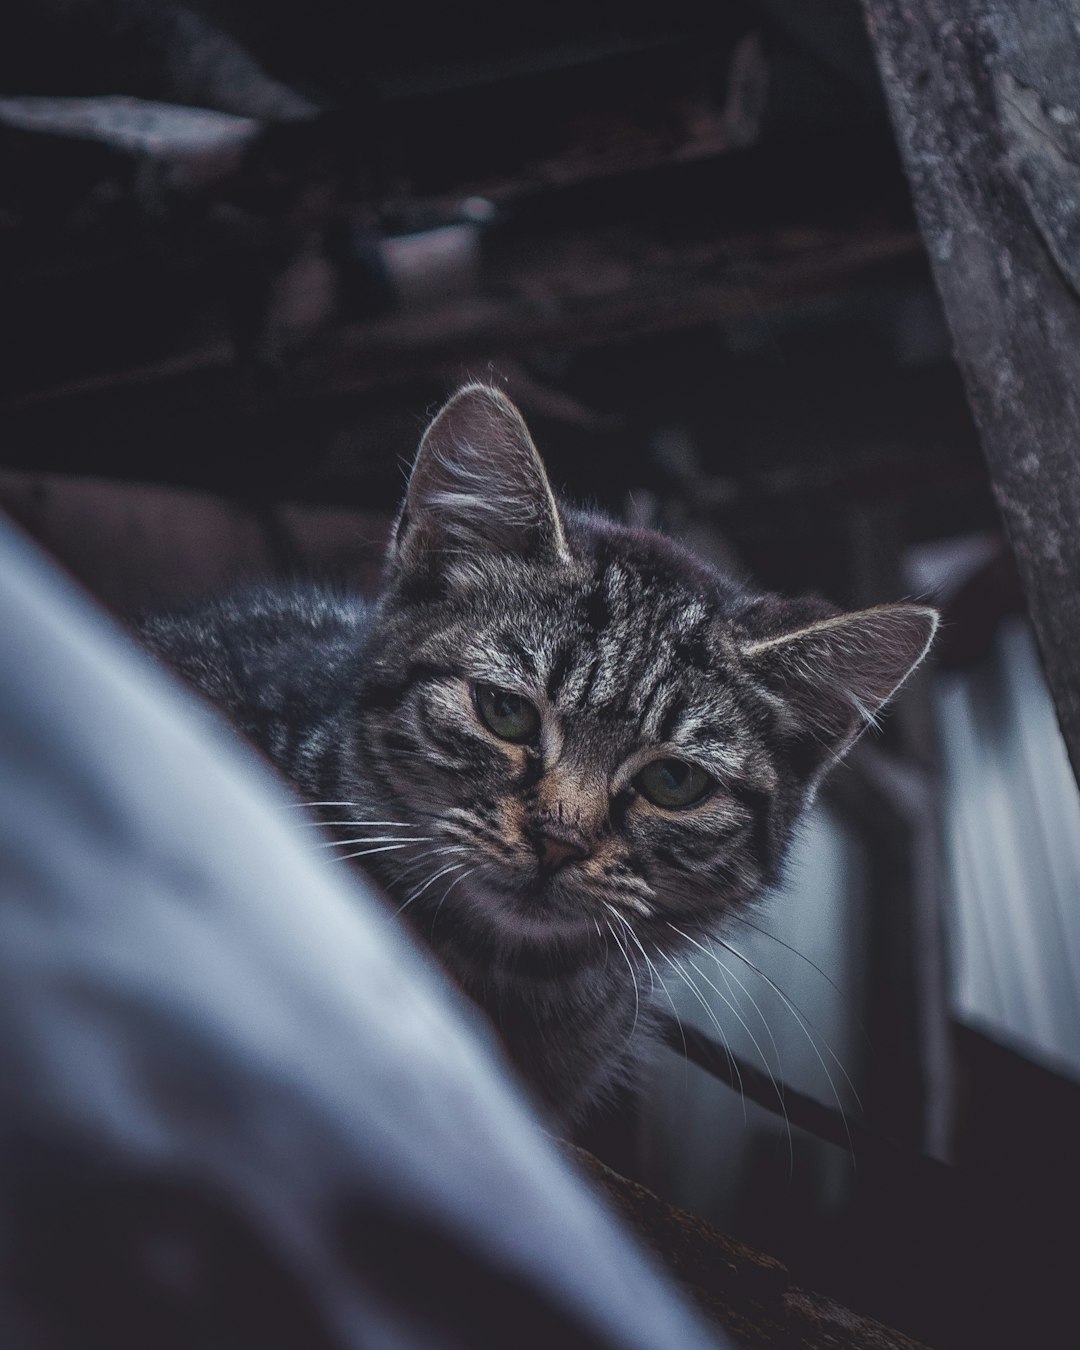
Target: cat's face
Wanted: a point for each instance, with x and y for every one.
(587, 726)
(573, 731)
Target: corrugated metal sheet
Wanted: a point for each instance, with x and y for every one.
(1012, 832)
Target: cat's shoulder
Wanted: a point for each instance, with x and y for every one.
(287, 607)
(258, 621)
(240, 646)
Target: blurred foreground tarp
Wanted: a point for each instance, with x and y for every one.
(236, 1109)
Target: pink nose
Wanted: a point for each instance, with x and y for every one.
(554, 850)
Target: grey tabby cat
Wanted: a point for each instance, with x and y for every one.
(563, 748)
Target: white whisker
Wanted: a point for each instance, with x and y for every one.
(639, 906)
(463, 877)
(374, 839)
(799, 1018)
(366, 852)
(349, 824)
(430, 881)
(726, 972)
(606, 945)
(416, 862)
(682, 1033)
(743, 1023)
(736, 1013)
(633, 977)
(711, 1015)
(637, 942)
(845, 998)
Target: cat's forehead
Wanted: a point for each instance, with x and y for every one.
(612, 643)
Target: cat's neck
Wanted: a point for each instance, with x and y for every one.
(576, 1030)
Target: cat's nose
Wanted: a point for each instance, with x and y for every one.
(556, 847)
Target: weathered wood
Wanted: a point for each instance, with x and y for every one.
(579, 288)
(751, 1295)
(571, 288)
(986, 103)
(688, 127)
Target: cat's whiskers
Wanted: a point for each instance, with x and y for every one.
(367, 852)
(710, 1013)
(778, 1079)
(796, 1012)
(633, 977)
(375, 839)
(845, 998)
(737, 1014)
(804, 1025)
(463, 877)
(392, 848)
(351, 824)
(605, 945)
(633, 902)
(451, 867)
(416, 862)
(637, 942)
(678, 1023)
(439, 850)
(725, 973)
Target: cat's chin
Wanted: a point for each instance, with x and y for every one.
(535, 914)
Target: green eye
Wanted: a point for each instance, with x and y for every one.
(509, 716)
(673, 783)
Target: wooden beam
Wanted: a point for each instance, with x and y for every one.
(985, 99)
(580, 288)
(568, 288)
(748, 1293)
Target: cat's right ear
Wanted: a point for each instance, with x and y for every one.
(478, 485)
(836, 673)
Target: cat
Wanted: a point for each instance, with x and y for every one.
(563, 748)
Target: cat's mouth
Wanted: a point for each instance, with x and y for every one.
(542, 906)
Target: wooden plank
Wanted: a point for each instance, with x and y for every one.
(749, 1294)
(570, 288)
(578, 288)
(985, 99)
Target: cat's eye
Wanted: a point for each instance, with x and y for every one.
(509, 716)
(673, 783)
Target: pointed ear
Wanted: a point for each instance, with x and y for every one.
(478, 485)
(836, 674)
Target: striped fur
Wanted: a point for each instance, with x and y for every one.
(631, 649)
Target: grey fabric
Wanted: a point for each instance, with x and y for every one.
(236, 1107)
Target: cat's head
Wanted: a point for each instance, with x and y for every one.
(585, 720)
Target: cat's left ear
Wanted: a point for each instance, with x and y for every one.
(837, 673)
(478, 485)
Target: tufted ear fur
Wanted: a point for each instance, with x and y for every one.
(478, 485)
(835, 674)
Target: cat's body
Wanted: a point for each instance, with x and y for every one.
(565, 749)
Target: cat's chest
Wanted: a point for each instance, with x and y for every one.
(573, 1039)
